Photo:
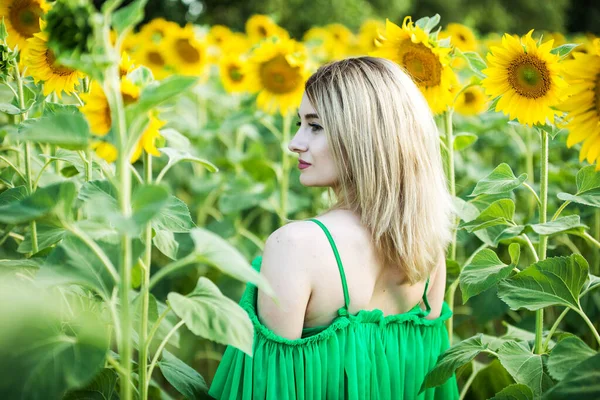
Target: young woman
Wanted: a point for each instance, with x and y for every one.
(360, 288)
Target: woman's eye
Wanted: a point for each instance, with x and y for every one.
(315, 127)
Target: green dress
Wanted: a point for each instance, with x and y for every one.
(362, 356)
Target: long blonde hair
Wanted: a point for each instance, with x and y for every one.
(385, 144)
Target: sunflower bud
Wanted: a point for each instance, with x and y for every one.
(6, 60)
(68, 26)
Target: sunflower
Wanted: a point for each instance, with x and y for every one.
(425, 62)
(471, 101)
(125, 65)
(186, 53)
(461, 37)
(157, 29)
(277, 70)
(259, 27)
(232, 70)
(318, 40)
(147, 142)
(152, 55)
(369, 31)
(526, 77)
(97, 110)
(218, 34)
(583, 105)
(105, 150)
(42, 66)
(22, 20)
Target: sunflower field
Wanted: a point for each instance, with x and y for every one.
(141, 167)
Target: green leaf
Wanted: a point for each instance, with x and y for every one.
(463, 140)
(173, 216)
(176, 156)
(103, 387)
(475, 62)
(3, 32)
(10, 109)
(128, 16)
(64, 129)
(215, 251)
(484, 271)
(209, 314)
(428, 23)
(44, 351)
(566, 355)
(184, 378)
(57, 198)
(500, 212)
(593, 282)
(591, 198)
(564, 49)
(465, 210)
(500, 180)
(141, 76)
(26, 267)
(559, 225)
(587, 179)
(514, 392)
(164, 240)
(514, 250)
(242, 197)
(453, 358)
(525, 368)
(13, 194)
(582, 382)
(554, 281)
(47, 235)
(147, 202)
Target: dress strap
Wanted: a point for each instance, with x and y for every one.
(339, 262)
(425, 297)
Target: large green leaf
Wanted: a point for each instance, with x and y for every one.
(209, 314)
(456, 356)
(465, 210)
(582, 382)
(164, 241)
(47, 235)
(184, 378)
(13, 194)
(500, 212)
(559, 225)
(44, 351)
(500, 180)
(566, 355)
(587, 179)
(64, 129)
(24, 267)
(173, 216)
(213, 250)
(147, 202)
(493, 235)
(554, 281)
(177, 156)
(591, 198)
(56, 198)
(517, 391)
(128, 16)
(524, 366)
(484, 271)
(103, 387)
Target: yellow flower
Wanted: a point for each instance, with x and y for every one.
(559, 38)
(148, 139)
(126, 64)
(369, 31)
(277, 70)
(232, 70)
(158, 29)
(96, 109)
(461, 37)
(586, 45)
(152, 55)
(259, 27)
(425, 62)
(318, 40)
(185, 53)
(583, 106)
(218, 34)
(42, 66)
(105, 150)
(526, 77)
(22, 20)
(471, 101)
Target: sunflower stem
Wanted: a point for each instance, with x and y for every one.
(285, 168)
(27, 153)
(539, 314)
(145, 291)
(452, 250)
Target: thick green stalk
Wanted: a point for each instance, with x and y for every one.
(539, 314)
(285, 168)
(27, 149)
(452, 250)
(145, 291)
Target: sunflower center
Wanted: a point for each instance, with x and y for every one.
(186, 51)
(262, 31)
(469, 98)
(155, 58)
(56, 68)
(25, 17)
(529, 76)
(462, 37)
(422, 64)
(235, 73)
(277, 76)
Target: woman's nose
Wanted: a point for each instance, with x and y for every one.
(295, 146)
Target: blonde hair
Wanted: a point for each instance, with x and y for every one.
(385, 144)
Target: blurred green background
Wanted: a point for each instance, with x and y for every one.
(297, 16)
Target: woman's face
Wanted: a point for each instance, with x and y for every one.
(310, 142)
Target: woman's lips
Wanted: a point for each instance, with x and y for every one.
(303, 165)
